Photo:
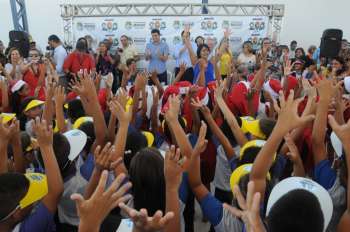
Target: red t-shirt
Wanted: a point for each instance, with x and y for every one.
(76, 61)
(32, 80)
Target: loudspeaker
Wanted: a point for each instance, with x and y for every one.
(20, 40)
(331, 43)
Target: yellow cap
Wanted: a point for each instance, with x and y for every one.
(241, 171)
(250, 125)
(33, 144)
(32, 104)
(149, 137)
(66, 106)
(37, 189)
(6, 117)
(81, 120)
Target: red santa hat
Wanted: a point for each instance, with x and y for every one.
(273, 87)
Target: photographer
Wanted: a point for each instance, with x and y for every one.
(58, 55)
(35, 75)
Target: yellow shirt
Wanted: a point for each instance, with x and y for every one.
(225, 60)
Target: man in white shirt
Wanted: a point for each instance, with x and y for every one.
(182, 55)
(59, 53)
(127, 51)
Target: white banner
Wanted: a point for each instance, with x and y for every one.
(138, 29)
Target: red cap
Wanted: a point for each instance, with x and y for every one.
(71, 96)
(236, 99)
(183, 86)
(273, 86)
(171, 90)
(292, 82)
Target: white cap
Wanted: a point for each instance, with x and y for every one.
(18, 86)
(77, 140)
(293, 183)
(337, 145)
(347, 83)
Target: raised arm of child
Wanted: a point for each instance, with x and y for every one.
(54, 179)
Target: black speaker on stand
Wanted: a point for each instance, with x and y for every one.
(20, 40)
(331, 43)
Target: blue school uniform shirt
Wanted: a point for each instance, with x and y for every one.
(209, 73)
(41, 219)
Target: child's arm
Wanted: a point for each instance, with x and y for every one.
(54, 180)
(287, 112)
(343, 133)
(59, 100)
(229, 151)
(173, 174)
(236, 130)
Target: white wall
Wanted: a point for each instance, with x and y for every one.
(304, 20)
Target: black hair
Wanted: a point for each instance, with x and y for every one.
(135, 141)
(293, 42)
(89, 129)
(166, 129)
(226, 129)
(21, 116)
(61, 149)
(199, 49)
(243, 186)
(266, 126)
(249, 155)
(298, 210)
(13, 187)
(81, 46)
(155, 31)
(15, 101)
(148, 182)
(302, 51)
(54, 38)
(198, 37)
(75, 110)
(182, 33)
(343, 64)
(130, 61)
(25, 141)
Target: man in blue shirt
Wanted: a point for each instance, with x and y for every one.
(182, 55)
(157, 53)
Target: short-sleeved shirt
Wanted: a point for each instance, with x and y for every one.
(326, 176)
(59, 55)
(209, 73)
(225, 60)
(184, 57)
(128, 52)
(32, 80)
(41, 219)
(218, 216)
(155, 63)
(75, 62)
(223, 169)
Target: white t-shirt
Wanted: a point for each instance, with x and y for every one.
(9, 67)
(246, 60)
(59, 55)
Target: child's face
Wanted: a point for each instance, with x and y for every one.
(34, 112)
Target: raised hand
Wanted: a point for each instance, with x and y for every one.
(172, 113)
(173, 167)
(120, 112)
(201, 144)
(6, 131)
(59, 95)
(293, 153)
(43, 132)
(141, 81)
(326, 88)
(287, 68)
(122, 97)
(342, 131)
(155, 95)
(143, 222)
(93, 211)
(104, 158)
(288, 117)
(249, 210)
